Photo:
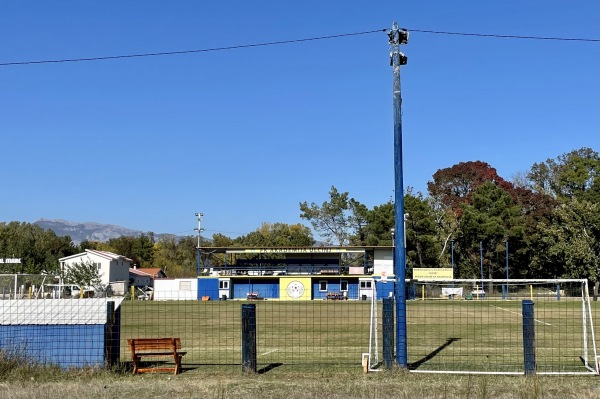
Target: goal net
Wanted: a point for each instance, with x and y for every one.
(476, 326)
(374, 352)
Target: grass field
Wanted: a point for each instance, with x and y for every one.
(442, 335)
(286, 382)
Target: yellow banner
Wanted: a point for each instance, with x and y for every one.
(295, 288)
(432, 273)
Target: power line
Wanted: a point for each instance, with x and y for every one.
(573, 39)
(241, 46)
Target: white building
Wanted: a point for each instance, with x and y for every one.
(111, 267)
(175, 289)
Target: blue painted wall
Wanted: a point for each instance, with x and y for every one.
(266, 288)
(208, 287)
(353, 289)
(384, 289)
(62, 345)
(334, 285)
(269, 288)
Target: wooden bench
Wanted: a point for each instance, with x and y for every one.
(254, 296)
(340, 296)
(155, 347)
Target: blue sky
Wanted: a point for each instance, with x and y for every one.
(245, 135)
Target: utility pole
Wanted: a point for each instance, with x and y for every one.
(397, 37)
(199, 230)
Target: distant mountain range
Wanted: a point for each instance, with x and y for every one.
(87, 231)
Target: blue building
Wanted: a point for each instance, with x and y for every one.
(297, 273)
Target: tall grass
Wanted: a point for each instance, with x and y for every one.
(16, 367)
(287, 383)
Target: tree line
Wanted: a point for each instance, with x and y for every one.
(39, 250)
(547, 217)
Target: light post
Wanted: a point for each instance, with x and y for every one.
(398, 37)
(481, 261)
(199, 230)
(393, 231)
(452, 257)
(405, 219)
(506, 269)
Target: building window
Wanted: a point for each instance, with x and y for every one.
(323, 286)
(344, 285)
(224, 284)
(365, 284)
(97, 265)
(185, 286)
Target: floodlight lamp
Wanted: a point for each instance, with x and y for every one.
(391, 37)
(403, 58)
(403, 36)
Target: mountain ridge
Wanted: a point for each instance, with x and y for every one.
(86, 231)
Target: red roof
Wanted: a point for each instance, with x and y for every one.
(137, 272)
(152, 271)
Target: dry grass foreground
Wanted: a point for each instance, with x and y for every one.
(334, 383)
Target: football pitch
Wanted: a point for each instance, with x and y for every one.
(442, 335)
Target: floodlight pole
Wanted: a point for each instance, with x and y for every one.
(199, 230)
(481, 261)
(397, 37)
(506, 294)
(452, 258)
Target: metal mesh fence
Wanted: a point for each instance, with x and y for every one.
(26, 286)
(470, 326)
(287, 332)
(458, 326)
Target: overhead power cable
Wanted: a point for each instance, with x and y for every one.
(574, 39)
(206, 50)
(241, 46)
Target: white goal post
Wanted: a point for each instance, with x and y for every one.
(374, 359)
(482, 321)
(477, 326)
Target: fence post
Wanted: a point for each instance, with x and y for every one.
(112, 335)
(249, 337)
(528, 337)
(388, 331)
